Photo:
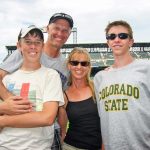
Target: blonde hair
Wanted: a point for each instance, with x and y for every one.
(80, 50)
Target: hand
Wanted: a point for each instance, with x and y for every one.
(63, 134)
(15, 105)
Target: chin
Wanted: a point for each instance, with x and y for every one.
(58, 46)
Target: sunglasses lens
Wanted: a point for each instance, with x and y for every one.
(120, 35)
(110, 36)
(123, 35)
(74, 63)
(83, 63)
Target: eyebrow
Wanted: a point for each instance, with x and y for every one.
(31, 39)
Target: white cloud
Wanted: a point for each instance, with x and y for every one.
(90, 17)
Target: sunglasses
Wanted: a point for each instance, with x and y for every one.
(82, 63)
(112, 36)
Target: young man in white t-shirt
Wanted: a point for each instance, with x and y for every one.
(42, 87)
(58, 31)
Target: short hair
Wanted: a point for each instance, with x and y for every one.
(119, 23)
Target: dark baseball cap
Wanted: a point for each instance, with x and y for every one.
(61, 16)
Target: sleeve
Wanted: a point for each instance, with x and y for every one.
(65, 85)
(96, 86)
(148, 76)
(53, 89)
(13, 62)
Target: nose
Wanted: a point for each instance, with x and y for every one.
(59, 31)
(79, 65)
(32, 45)
(117, 39)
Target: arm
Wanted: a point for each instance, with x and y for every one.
(12, 105)
(63, 119)
(11, 64)
(51, 96)
(15, 105)
(4, 92)
(45, 117)
(103, 147)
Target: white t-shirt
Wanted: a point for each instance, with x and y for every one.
(41, 85)
(14, 61)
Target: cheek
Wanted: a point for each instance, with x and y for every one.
(66, 36)
(87, 70)
(109, 43)
(41, 47)
(131, 43)
(69, 67)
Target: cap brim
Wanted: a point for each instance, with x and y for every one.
(27, 30)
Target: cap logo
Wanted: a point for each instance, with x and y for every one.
(62, 16)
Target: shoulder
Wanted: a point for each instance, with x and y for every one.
(100, 73)
(49, 70)
(142, 62)
(65, 99)
(16, 55)
(98, 78)
(15, 75)
(14, 60)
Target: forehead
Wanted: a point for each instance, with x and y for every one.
(62, 22)
(118, 29)
(79, 56)
(32, 36)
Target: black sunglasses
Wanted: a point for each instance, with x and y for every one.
(112, 36)
(82, 63)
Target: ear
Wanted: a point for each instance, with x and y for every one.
(69, 33)
(19, 45)
(69, 67)
(108, 43)
(43, 45)
(47, 28)
(131, 42)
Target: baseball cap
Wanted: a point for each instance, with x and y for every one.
(25, 31)
(61, 16)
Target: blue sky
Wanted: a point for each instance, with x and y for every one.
(90, 18)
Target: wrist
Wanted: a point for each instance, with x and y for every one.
(3, 108)
(3, 120)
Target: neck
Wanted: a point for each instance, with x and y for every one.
(121, 61)
(79, 83)
(50, 50)
(30, 66)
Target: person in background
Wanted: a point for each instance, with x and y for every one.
(58, 29)
(80, 106)
(38, 84)
(123, 94)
